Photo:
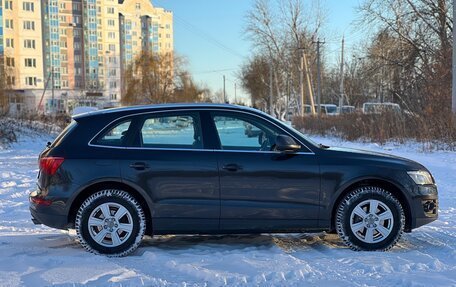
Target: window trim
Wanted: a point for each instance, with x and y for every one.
(199, 110)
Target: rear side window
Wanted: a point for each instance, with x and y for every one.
(172, 131)
(115, 136)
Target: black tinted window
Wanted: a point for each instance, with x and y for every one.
(116, 135)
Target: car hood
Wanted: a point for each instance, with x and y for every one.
(374, 157)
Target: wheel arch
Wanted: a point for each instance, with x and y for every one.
(94, 187)
(377, 182)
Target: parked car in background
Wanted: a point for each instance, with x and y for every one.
(328, 109)
(379, 108)
(346, 110)
(116, 175)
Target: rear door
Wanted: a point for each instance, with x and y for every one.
(167, 158)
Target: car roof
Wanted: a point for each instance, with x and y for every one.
(158, 107)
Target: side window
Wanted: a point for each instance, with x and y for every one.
(172, 131)
(244, 133)
(115, 136)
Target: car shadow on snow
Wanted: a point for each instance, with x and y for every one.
(285, 242)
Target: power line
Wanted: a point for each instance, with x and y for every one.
(214, 71)
(192, 28)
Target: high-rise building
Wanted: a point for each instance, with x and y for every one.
(143, 27)
(1, 29)
(22, 51)
(62, 53)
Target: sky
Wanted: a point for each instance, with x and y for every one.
(210, 35)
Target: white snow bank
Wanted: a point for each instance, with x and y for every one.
(38, 256)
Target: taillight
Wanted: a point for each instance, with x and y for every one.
(50, 165)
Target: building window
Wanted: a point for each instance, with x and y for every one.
(10, 62)
(30, 81)
(111, 35)
(9, 5)
(112, 47)
(110, 10)
(9, 23)
(138, 6)
(29, 44)
(112, 72)
(111, 22)
(113, 97)
(76, 7)
(29, 25)
(30, 63)
(11, 80)
(112, 85)
(28, 6)
(10, 43)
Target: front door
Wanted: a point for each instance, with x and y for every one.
(262, 189)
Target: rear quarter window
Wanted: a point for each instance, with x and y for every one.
(115, 135)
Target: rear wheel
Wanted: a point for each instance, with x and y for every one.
(110, 222)
(370, 218)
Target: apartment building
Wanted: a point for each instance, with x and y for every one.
(63, 53)
(21, 52)
(143, 27)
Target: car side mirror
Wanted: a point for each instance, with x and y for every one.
(286, 143)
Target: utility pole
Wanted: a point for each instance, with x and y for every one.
(342, 63)
(235, 93)
(301, 86)
(224, 89)
(271, 90)
(319, 76)
(52, 91)
(309, 85)
(454, 63)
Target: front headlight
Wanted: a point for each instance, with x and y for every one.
(421, 177)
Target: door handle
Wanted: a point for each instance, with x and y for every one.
(139, 165)
(232, 167)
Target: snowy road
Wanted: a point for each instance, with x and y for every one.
(38, 256)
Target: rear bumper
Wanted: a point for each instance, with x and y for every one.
(47, 215)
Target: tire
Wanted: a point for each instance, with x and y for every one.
(117, 234)
(363, 230)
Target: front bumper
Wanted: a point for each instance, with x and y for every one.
(424, 206)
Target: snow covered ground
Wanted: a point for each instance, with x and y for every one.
(38, 256)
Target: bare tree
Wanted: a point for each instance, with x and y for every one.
(279, 30)
(149, 79)
(411, 50)
(160, 78)
(5, 86)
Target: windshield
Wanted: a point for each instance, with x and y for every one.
(331, 109)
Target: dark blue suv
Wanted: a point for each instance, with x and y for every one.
(116, 175)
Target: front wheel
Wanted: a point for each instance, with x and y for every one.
(110, 222)
(370, 218)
